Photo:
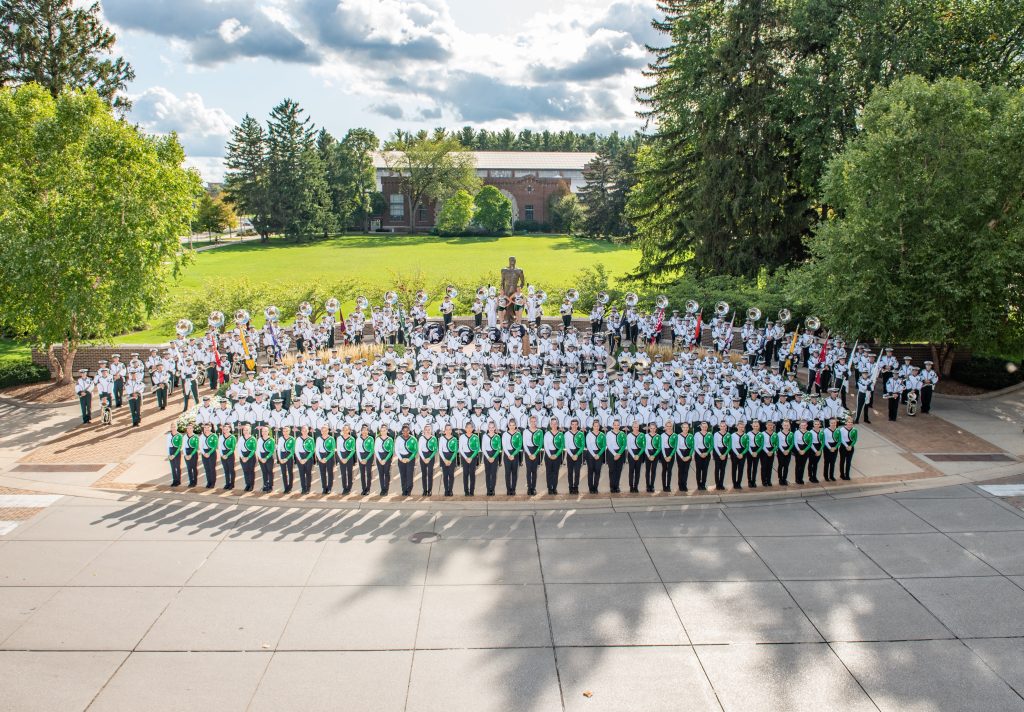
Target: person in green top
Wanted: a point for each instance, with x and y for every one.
(669, 443)
(596, 443)
(325, 448)
(615, 454)
(784, 451)
(191, 451)
(405, 452)
(227, 446)
(652, 456)
(265, 449)
(305, 454)
(426, 453)
(533, 448)
(175, 444)
(383, 454)
(490, 444)
(554, 448)
(286, 457)
(449, 450)
(346, 457)
(512, 450)
(684, 456)
(469, 454)
(247, 456)
(364, 454)
(208, 451)
(575, 446)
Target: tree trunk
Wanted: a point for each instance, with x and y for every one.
(69, 364)
(942, 355)
(62, 367)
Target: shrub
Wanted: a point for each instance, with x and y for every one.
(456, 214)
(493, 210)
(531, 226)
(17, 374)
(988, 372)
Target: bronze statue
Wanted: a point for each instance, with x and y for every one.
(512, 281)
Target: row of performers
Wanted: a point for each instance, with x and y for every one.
(754, 455)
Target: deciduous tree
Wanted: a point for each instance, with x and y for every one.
(430, 170)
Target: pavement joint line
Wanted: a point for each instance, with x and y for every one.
(547, 611)
(419, 615)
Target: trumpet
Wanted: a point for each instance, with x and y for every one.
(271, 314)
(692, 307)
(572, 295)
(332, 305)
(631, 299)
(422, 298)
(813, 323)
(184, 327)
(481, 293)
(661, 302)
(306, 309)
(362, 303)
(603, 298)
(451, 292)
(754, 314)
(216, 319)
(785, 316)
(241, 317)
(722, 308)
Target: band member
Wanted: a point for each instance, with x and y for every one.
(801, 449)
(554, 448)
(247, 456)
(864, 397)
(191, 454)
(265, 448)
(755, 441)
(449, 452)
(305, 453)
(426, 454)
(684, 456)
(575, 446)
(287, 445)
(894, 390)
(161, 382)
(405, 455)
(847, 444)
(721, 445)
(533, 447)
(929, 379)
(83, 389)
(738, 453)
(119, 375)
(703, 441)
(365, 453)
(208, 444)
(669, 445)
(636, 446)
(325, 448)
(814, 453)
(175, 443)
(133, 389)
(226, 451)
(491, 447)
(768, 446)
(512, 455)
(784, 451)
(596, 444)
(469, 456)
(383, 454)
(615, 454)
(346, 443)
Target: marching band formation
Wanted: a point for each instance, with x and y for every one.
(636, 395)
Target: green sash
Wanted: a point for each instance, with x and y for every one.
(559, 443)
(289, 447)
(211, 442)
(641, 443)
(309, 444)
(431, 449)
(602, 444)
(268, 448)
(193, 445)
(368, 449)
(537, 440)
(853, 436)
(330, 445)
(451, 445)
(177, 440)
(350, 448)
(579, 443)
(248, 447)
(389, 448)
(517, 443)
(620, 440)
(496, 445)
(474, 444)
(709, 442)
(411, 445)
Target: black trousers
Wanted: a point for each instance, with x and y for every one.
(702, 463)
(511, 473)
(306, 475)
(448, 477)
(531, 474)
(228, 464)
(192, 470)
(491, 474)
(593, 473)
(683, 476)
(667, 465)
(894, 407)
(634, 464)
(267, 473)
(365, 476)
(210, 470)
(118, 392)
(326, 475)
(427, 477)
(767, 460)
(801, 466)
(615, 472)
(135, 408)
(845, 461)
(830, 458)
(651, 471)
(161, 396)
(926, 398)
(249, 473)
(406, 473)
(573, 470)
(738, 463)
(813, 458)
(468, 475)
(176, 470)
(752, 462)
(551, 467)
(345, 474)
(287, 474)
(783, 468)
(720, 463)
(384, 475)
(85, 402)
(863, 401)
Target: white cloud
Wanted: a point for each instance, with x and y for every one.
(203, 130)
(211, 168)
(232, 30)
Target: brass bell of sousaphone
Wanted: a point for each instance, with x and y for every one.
(813, 323)
(754, 314)
(422, 298)
(390, 298)
(661, 302)
(692, 307)
(306, 309)
(785, 316)
(216, 319)
(603, 298)
(241, 317)
(272, 314)
(362, 303)
(722, 308)
(184, 327)
(572, 295)
(331, 306)
(451, 292)
(481, 293)
(631, 299)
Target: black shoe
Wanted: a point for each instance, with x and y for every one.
(867, 422)
(490, 494)
(175, 484)
(531, 492)
(248, 489)
(752, 485)
(719, 488)
(737, 487)
(813, 480)
(266, 490)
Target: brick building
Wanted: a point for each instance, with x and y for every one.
(529, 179)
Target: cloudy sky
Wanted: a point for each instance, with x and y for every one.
(201, 65)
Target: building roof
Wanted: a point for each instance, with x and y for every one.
(521, 160)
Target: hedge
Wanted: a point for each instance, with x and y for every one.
(987, 372)
(16, 374)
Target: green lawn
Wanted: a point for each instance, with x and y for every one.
(14, 352)
(549, 261)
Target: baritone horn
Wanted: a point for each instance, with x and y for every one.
(754, 314)
(813, 323)
(722, 308)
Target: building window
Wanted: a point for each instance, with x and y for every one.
(501, 174)
(421, 213)
(529, 188)
(528, 214)
(397, 211)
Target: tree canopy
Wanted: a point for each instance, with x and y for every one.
(430, 169)
(61, 45)
(91, 216)
(493, 212)
(928, 233)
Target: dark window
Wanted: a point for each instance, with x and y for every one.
(397, 206)
(528, 215)
(421, 213)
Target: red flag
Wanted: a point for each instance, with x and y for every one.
(216, 357)
(658, 326)
(700, 320)
(341, 321)
(821, 361)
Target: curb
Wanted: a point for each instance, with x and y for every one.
(985, 396)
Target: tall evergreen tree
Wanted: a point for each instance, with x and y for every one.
(604, 194)
(358, 177)
(60, 46)
(297, 185)
(246, 178)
